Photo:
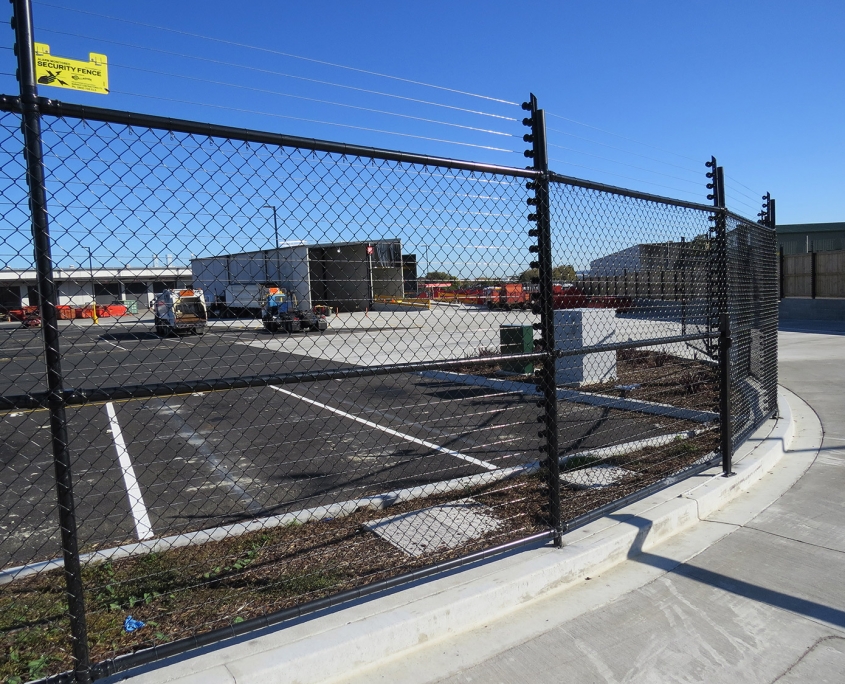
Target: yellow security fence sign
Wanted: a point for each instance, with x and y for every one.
(91, 76)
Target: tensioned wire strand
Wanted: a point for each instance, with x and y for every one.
(633, 166)
(742, 184)
(276, 52)
(620, 175)
(290, 55)
(317, 121)
(744, 194)
(424, 119)
(281, 74)
(617, 135)
(639, 142)
(622, 149)
(312, 99)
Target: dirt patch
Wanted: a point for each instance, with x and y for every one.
(641, 374)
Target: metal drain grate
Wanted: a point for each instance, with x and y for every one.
(596, 477)
(440, 527)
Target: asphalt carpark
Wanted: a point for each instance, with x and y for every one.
(206, 459)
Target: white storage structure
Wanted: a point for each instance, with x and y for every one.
(343, 276)
(578, 328)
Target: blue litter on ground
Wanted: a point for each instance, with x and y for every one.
(131, 625)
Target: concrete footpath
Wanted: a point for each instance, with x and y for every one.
(715, 579)
(753, 593)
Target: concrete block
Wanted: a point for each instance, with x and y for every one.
(577, 328)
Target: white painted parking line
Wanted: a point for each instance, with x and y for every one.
(402, 435)
(115, 344)
(143, 528)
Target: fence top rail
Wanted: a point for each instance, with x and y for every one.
(57, 108)
(9, 103)
(612, 189)
(756, 224)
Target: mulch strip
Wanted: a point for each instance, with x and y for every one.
(192, 590)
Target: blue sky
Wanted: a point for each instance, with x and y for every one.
(759, 84)
(638, 94)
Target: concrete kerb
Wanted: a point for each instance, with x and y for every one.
(335, 645)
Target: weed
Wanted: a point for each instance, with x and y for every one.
(38, 667)
(241, 563)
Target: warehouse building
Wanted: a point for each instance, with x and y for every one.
(344, 276)
(806, 238)
(647, 257)
(78, 286)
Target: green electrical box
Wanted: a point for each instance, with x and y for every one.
(517, 339)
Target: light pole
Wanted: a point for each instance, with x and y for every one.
(276, 244)
(93, 290)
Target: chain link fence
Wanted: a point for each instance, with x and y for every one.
(649, 409)
(753, 289)
(294, 372)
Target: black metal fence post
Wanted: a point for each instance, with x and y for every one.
(48, 299)
(771, 222)
(723, 287)
(543, 249)
(714, 262)
(683, 286)
(813, 274)
(725, 431)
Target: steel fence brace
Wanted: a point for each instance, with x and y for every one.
(48, 299)
(545, 305)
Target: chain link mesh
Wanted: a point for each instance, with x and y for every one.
(753, 288)
(639, 270)
(291, 373)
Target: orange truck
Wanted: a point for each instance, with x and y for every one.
(508, 296)
(517, 296)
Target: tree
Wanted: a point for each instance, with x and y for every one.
(564, 272)
(439, 276)
(526, 276)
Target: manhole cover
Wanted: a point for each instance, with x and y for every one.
(432, 529)
(596, 477)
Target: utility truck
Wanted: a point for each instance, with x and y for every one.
(279, 312)
(180, 311)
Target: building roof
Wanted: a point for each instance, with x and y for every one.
(298, 244)
(99, 273)
(812, 228)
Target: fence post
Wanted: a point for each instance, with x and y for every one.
(771, 222)
(813, 274)
(722, 273)
(543, 249)
(725, 431)
(683, 285)
(22, 24)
